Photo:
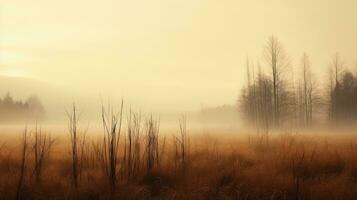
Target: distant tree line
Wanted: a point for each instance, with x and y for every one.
(15, 110)
(274, 96)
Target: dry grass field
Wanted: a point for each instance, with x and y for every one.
(186, 165)
(178, 100)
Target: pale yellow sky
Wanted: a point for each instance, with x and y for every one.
(166, 53)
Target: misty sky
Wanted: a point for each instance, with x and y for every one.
(166, 53)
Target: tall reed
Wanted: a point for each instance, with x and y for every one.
(42, 145)
(78, 142)
(112, 124)
(132, 148)
(152, 143)
(24, 147)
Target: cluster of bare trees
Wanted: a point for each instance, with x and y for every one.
(274, 96)
(267, 100)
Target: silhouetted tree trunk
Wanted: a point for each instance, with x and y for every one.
(277, 60)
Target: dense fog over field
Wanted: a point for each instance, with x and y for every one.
(178, 99)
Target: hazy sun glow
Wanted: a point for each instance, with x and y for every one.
(8, 57)
(13, 72)
(166, 52)
(9, 64)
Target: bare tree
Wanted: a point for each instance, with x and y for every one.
(336, 69)
(337, 65)
(330, 95)
(309, 91)
(278, 62)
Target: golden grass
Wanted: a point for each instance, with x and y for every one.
(219, 166)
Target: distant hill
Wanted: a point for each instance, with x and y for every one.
(54, 99)
(21, 87)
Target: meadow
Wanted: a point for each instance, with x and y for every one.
(137, 161)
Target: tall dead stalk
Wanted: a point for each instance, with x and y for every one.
(132, 146)
(152, 144)
(76, 143)
(112, 123)
(182, 145)
(24, 146)
(42, 146)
